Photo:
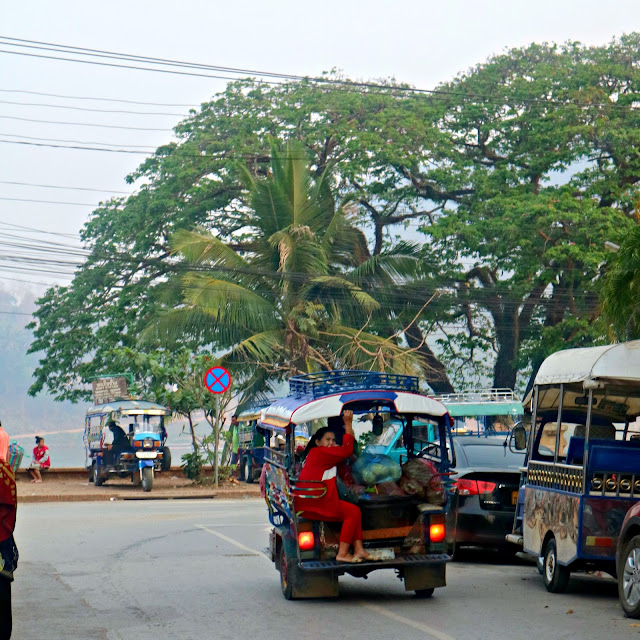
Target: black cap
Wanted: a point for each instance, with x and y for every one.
(38, 438)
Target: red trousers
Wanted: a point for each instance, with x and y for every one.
(348, 514)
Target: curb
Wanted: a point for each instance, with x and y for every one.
(112, 497)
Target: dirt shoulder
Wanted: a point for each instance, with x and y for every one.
(73, 486)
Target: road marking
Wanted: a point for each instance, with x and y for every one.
(253, 552)
(410, 623)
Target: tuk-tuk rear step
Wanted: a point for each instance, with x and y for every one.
(429, 558)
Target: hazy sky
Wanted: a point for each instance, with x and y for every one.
(420, 42)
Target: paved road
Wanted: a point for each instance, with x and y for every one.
(194, 569)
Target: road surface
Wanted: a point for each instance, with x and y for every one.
(194, 569)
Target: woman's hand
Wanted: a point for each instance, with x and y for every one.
(347, 417)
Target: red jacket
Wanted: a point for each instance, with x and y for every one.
(321, 464)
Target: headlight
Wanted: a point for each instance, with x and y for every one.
(148, 443)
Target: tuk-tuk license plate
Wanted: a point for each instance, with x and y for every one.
(514, 497)
(386, 553)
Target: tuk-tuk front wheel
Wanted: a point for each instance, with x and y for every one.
(147, 478)
(556, 576)
(629, 578)
(97, 477)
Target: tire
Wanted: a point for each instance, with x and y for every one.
(629, 578)
(540, 565)
(147, 479)
(424, 593)
(166, 459)
(555, 576)
(97, 478)
(288, 575)
(248, 471)
(92, 471)
(240, 468)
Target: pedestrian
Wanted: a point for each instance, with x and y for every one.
(235, 445)
(39, 460)
(4, 444)
(8, 549)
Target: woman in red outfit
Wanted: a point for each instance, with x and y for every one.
(323, 456)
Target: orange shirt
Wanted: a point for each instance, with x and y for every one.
(4, 444)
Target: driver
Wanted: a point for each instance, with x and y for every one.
(322, 456)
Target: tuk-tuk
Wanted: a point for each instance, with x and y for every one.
(143, 451)
(582, 470)
(251, 445)
(478, 412)
(404, 530)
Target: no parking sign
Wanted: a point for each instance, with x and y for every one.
(217, 379)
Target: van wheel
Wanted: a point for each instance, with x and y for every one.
(288, 575)
(424, 593)
(629, 578)
(147, 479)
(556, 577)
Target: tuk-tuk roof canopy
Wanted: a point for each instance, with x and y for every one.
(131, 407)
(616, 363)
(305, 408)
(484, 409)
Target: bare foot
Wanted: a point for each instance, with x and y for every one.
(363, 555)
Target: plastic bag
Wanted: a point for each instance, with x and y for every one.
(374, 468)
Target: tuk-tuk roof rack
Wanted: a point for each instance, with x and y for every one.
(324, 383)
(479, 395)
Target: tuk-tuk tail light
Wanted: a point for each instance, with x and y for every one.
(436, 529)
(306, 540)
(595, 541)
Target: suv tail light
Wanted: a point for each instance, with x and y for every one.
(474, 487)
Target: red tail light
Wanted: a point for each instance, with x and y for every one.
(306, 541)
(474, 487)
(436, 533)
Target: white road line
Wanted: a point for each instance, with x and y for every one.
(253, 552)
(407, 621)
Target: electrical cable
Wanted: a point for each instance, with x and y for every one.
(85, 124)
(58, 95)
(63, 106)
(54, 186)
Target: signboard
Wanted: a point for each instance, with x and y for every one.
(109, 390)
(217, 380)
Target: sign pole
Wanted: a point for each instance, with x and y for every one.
(217, 380)
(217, 437)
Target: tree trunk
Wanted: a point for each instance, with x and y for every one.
(194, 440)
(508, 338)
(435, 373)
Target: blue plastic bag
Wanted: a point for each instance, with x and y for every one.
(375, 468)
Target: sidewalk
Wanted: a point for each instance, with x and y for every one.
(72, 485)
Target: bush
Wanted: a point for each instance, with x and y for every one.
(192, 464)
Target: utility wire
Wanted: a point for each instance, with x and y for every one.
(54, 186)
(57, 95)
(64, 106)
(86, 124)
(92, 142)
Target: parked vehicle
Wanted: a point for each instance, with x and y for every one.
(251, 445)
(487, 477)
(407, 530)
(144, 451)
(483, 411)
(582, 470)
(628, 562)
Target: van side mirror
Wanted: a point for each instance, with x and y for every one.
(519, 437)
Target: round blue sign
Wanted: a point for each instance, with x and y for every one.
(217, 380)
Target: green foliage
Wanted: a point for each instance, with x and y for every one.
(192, 465)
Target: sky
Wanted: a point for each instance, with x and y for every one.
(419, 42)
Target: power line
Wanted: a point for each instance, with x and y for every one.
(74, 204)
(57, 95)
(78, 147)
(63, 106)
(25, 228)
(54, 186)
(100, 143)
(86, 124)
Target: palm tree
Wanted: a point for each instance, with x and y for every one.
(621, 289)
(300, 293)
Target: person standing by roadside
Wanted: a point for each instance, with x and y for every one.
(8, 549)
(40, 459)
(4, 444)
(235, 445)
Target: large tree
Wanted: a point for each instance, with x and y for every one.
(515, 172)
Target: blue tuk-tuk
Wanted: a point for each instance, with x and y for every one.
(582, 470)
(405, 530)
(250, 445)
(139, 455)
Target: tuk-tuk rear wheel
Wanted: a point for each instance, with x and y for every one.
(424, 593)
(287, 575)
(248, 471)
(97, 477)
(556, 576)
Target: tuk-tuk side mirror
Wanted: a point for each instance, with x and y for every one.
(378, 424)
(518, 437)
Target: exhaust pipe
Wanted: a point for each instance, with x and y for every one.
(514, 538)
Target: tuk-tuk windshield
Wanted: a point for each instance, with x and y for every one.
(142, 423)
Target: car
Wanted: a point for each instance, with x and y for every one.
(487, 478)
(628, 563)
